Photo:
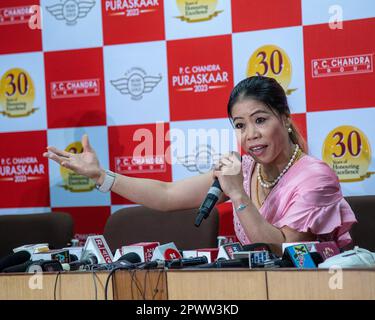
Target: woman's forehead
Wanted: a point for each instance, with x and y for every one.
(248, 106)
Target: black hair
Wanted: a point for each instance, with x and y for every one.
(269, 92)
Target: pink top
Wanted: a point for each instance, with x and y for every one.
(307, 198)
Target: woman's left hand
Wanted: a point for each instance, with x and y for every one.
(229, 173)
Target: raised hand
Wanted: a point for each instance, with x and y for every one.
(85, 163)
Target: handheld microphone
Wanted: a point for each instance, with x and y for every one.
(128, 261)
(130, 257)
(14, 259)
(301, 257)
(222, 263)
(88, 260)
(175, 263)
(209, 202)
(22, 267)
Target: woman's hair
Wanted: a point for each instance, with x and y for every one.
(270, 93)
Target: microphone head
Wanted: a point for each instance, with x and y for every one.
(317, 257)
(73, 258)
(130, 257)
(14, 259)
(256, 247)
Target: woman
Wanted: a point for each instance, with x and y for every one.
(279, 193)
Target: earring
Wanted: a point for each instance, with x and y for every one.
(290, 130)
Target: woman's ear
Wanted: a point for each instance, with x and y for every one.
(287, 121)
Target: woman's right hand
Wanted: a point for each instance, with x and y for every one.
(85, 163)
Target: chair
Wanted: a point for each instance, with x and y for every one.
(362, 232)
(140, 224)
(16, 230)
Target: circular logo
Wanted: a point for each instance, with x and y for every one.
(171, 253)
(271, 61)
(73, 181)
(347, 151)
(17, 93)
(136, 85)
(70, 10)
(198, 10)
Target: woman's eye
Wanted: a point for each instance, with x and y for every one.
(260, 120)
(238, 125)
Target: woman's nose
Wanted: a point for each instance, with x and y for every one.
(252, 133)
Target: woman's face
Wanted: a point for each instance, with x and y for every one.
(263, 133)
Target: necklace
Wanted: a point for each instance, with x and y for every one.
(268, 185)
(257, 192)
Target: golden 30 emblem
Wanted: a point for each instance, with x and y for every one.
(17, 93)
(271, 61)
(347, 151)
(72, 181)
(198, 10)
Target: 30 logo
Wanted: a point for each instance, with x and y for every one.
(347, 151)
(271, 61)
(17, 93)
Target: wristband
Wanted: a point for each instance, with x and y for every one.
(241, 207)
(107, 184)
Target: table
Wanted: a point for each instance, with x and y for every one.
(228, 284)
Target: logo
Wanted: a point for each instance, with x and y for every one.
(75, 88)
(71, 10)
(139, 164)
(21, 169)
(340, 66)
(200, 78)
(17, 93)
(16, 15)
(202, 161)
(136, 82)
(171, 254)
(74, 182)
(347, 150)
(271, 61)
(131, 8)
(198, 10)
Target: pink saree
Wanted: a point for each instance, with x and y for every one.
(307, 198)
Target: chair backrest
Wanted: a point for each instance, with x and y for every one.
(140, 224)
(16, 230)
(363, 232)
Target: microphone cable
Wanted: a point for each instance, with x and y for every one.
(94, 275)
(55, 286)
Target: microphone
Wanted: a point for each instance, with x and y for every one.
(209, 202)
(222, 263)
(128, 261)
(89, 259)
(175, 263)
(14, 259)
(22, 267)
(130, 257)
(301, 258)
(145, 250)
